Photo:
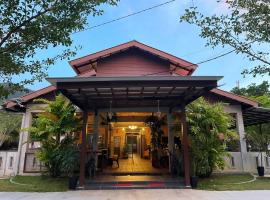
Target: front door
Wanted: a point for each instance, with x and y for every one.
(132, 143)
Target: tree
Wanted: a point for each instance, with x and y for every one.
(210, 128)
(260, 92)
(245, 28)
(253, 89)
(55, 129)
(10, 124)
(29, 26)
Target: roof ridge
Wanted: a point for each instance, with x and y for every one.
(245, 97)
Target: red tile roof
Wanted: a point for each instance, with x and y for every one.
(25, 98)
(235, 97)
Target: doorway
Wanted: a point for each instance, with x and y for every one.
(132, 142)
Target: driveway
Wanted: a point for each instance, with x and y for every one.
(139, 195)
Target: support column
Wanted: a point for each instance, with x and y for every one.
(237, 111)
(185, 147)
(170, 136)
(243, 145)
(83, 150)
(23, 142)
(95, 137)
(95, 129)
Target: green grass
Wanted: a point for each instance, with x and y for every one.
(37, 184)
(228, 182)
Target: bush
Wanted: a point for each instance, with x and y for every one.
(210, 128)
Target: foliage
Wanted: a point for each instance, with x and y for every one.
(239, 29)
(209, 130)
(55, 128)
(30, 26)
(259, 93)
(125, 148)
(258, 139)
(253, 90)
(10, 124)
(155, 124)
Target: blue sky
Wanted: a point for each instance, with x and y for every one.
(161, 29)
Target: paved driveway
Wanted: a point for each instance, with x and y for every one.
(139, 195)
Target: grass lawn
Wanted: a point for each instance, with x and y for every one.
(229, 182)
(38, 184)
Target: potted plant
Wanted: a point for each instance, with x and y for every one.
(155, 123)
(70, 165)
(195, 155)
(125, 151)
(258, 139)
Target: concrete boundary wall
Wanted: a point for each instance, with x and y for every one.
(8, 162)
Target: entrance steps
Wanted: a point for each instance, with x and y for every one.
(106, 182)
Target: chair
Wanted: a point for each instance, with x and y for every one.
(116, 159)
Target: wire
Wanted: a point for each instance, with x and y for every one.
(126, 16)
(201, 62)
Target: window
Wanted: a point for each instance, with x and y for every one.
(11, 162)
(232, 162)
(1, 162)
(267, 164)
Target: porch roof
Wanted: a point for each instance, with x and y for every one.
(256, 115)
(97, 92)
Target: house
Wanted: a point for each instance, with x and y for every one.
(132, 81)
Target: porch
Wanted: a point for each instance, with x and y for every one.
(135, 165)
(157, 95)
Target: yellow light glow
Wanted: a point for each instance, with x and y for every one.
(143, 129)
(132, 127)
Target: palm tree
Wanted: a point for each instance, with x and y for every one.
(55, 129)
(210, 128)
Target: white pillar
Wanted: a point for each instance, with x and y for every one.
(23, 142)
(243, 145)
(237, 110)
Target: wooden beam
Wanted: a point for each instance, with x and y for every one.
(83, 150)
(185, 146)
(139, 83)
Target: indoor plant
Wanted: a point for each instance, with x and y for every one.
(155, 124)
(125, 151)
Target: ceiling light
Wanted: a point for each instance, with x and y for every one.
(132, 127)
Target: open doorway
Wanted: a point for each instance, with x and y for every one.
(128, 143)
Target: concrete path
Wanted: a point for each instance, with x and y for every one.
(139, 195)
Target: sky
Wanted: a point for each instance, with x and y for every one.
(159, 28)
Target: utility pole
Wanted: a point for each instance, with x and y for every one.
(238, 84)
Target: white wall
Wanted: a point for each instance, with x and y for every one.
(24, 145)
(251, 164)
(8, 162)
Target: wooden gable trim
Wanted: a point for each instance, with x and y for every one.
(180, 63)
